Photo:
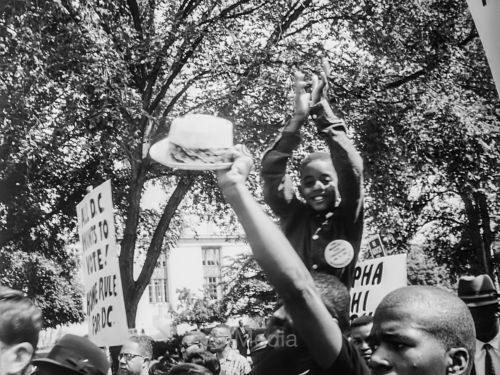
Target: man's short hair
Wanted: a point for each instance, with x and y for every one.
(145, 344)
(20, 319)
(224, 327)
(335, 296)
(199, 337)
(446, 317)
(362, 321)
(190, 368)
(206, 359)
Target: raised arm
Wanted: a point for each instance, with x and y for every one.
(283, 267)
(345, 157)
(278, 189)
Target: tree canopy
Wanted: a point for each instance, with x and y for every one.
(88, 86)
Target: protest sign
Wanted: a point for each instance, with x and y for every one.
(376, 246)
(373, 279)
(486, 14)
(103, 305)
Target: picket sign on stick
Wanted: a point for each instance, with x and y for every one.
(103, 304)
(373, 280)
(486, 14)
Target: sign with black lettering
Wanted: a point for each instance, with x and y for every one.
(376, 246)
(485, 14)
(103, 305)
(373, 279)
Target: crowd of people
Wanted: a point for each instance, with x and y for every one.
(309, 261)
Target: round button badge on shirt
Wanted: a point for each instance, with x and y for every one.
(339, 253)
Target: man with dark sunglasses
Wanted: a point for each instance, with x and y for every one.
(20, 324)
(135, 356)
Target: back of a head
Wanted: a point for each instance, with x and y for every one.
(145, 344)
(444, 315)
(335, 296)
(196, 337)
(205, 359)
(189, 368)
(20, 320)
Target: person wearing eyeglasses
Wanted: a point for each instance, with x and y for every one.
(135, 356)
(231, 361)
(20, 324)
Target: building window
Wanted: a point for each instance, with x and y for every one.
(158, 291)
(211, 261)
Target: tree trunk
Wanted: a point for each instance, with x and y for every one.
(487, 236)
(134, 291)
(473, 214)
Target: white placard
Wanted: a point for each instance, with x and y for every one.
(486, 14)
(373, 279)
(103, 303)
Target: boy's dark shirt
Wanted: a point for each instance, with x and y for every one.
(299, 221)
(298, 361)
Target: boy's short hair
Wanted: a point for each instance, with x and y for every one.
(20, 319)
(315, 156)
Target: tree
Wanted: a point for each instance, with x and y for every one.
(196, 310)
(92, 85)
(246, 290)
(426, 120)
(88, 86)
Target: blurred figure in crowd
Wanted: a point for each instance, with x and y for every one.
(73, 355)
(193, 341)
(20, 324)
(136, 355)
(359, 332)
(231, 362)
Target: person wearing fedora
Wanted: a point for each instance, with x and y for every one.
(20, 324)
(480, 295)
(73, 355)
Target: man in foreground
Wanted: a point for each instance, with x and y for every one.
(422, 330)
(20, 324)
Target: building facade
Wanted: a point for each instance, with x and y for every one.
(195, 264)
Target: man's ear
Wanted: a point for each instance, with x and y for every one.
(17, 357)
(458, 361)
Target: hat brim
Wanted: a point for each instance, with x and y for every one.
(161, 152)
(36, 362)
(481, 303)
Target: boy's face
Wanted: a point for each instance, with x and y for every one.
(319, 184)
